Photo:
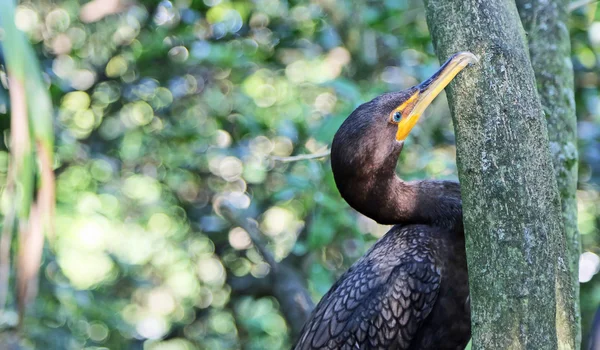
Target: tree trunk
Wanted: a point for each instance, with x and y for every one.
(545, 23)
(510, 199)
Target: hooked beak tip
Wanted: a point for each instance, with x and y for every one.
(413, 108)
(467, 56)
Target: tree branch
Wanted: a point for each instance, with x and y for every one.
(285, 283)
(229, 211)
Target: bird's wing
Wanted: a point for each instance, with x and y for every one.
(379, 303)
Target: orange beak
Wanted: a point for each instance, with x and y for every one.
(415, 105)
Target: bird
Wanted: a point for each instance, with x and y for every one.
(410, 290)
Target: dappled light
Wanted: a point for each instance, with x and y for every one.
(165, 110)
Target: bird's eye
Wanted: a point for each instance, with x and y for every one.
(396, 117)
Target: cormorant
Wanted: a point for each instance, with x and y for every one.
(410, 290)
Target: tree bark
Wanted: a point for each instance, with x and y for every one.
(511, 203)
(545, 23)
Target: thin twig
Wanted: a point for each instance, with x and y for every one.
(302, 156)
(581, 3)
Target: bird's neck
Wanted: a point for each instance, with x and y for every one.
(389, 200)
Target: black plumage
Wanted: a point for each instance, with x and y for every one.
(410, 290)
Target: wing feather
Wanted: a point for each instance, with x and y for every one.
(381, 301)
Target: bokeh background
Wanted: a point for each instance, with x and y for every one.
(163, 108)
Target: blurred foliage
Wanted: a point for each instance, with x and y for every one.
(27, 205)
(164, 108)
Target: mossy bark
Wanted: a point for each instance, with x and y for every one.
(545, 22)
(511, 204)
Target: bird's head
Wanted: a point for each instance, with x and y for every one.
(366, 147)
(373, 135)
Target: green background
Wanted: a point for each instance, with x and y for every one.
(165, 108)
